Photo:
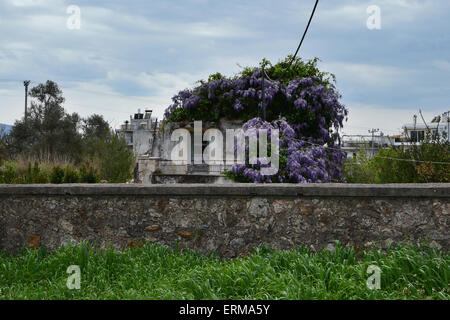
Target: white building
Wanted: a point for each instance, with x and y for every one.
(140, 132)
(352, 144)
(416, 132)
(413, 133)
(152, 145)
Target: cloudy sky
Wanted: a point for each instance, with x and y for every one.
(138, 53)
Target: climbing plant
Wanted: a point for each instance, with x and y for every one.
(299, 98)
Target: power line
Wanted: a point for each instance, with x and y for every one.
(412, 160)
(304, 34)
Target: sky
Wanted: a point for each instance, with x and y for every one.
(137, 54)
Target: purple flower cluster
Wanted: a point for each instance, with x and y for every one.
(305, 162)
(241, 91)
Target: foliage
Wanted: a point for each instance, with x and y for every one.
(57, 175)
(359, 168)
(70, 175)
(48, 128)
(90, 149)
(301, 96)
(8, 173)
(116, 160)
(49, 131)
(32, 175)
(21, 173)
(158, 272)
(88, 174)
(4, 145)
(96, 132)
(419, 163)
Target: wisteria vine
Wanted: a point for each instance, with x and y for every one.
(304, 105)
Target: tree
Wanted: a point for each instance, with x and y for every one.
(95, 127)
(4, 145)
(116, 160)
(95, 131)
(89, 143)
(48, 130)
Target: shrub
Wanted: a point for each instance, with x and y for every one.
(388, 170)
(418, 163)
(13, 172)
(57, 175)
(359, 169)
(40, 176)
(116, 161)
(70, 175)
(88, 174)
(9, 173)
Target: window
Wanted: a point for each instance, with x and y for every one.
(421, 135)
(129, 138)
(417, 136)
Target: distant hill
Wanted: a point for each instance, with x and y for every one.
(5, 127)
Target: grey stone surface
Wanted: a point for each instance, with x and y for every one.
(430, 190)
(228, 219)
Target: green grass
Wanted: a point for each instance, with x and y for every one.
(157, 272)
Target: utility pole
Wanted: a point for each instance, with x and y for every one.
(372, 131)
(415, 124)
(26, 83)
(448, 125)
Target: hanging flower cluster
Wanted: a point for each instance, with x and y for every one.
(300, 160)
(306, 101)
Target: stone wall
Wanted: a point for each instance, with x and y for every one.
(229, 219)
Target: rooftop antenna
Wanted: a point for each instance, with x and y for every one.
(372, 131)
